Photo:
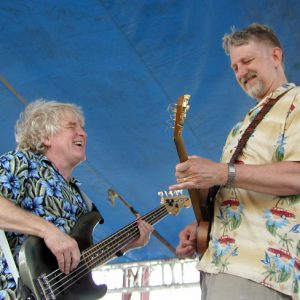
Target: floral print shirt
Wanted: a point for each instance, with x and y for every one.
(257, 236)
(32, 182)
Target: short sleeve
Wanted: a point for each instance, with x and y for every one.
(291, 139)
(13, 175)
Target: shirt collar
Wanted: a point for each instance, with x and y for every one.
(274, 94)
(72, 181)
(280, 90)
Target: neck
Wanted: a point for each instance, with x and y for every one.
(273, 87)
(64, 169)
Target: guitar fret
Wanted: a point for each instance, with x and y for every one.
(105, 250)
(49, 286)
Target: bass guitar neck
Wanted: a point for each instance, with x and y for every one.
(38, 266)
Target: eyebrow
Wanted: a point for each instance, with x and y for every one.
(70, 123)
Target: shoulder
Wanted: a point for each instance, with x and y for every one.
(18, 158)
(291, 100)
(294, 93)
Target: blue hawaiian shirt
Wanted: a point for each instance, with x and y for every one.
(32, 182)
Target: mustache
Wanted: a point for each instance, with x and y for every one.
(249, 75)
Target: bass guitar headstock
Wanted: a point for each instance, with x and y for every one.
(174, 201)
(180, 111)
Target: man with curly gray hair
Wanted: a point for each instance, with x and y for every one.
(254, 246)
(38, 194)
(40, 120)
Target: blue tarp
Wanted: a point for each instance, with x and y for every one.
(124, 63)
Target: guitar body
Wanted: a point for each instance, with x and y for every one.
(201, 210)
(40, 277)
(36, 259)
(203, 231)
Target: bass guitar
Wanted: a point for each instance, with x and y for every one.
(198, 197)
(38, 266)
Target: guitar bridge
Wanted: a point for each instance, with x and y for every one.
(44, 288)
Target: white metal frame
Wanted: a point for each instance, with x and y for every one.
(146, 276)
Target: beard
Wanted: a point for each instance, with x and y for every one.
(255, 90)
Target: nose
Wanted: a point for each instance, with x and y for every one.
(240, 72)
(81, 131)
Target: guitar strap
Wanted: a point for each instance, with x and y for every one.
(91, 206)
(246, 135)
(241, 144)
(8, 255)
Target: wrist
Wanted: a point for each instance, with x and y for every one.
(231, 174)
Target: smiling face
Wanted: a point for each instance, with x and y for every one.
(257, 67)
(66, 148)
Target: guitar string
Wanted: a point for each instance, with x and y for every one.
(93, 248)
(106, 241)
(112, 252)
(86, 269)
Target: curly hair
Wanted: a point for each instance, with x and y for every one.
(254, 31)
(40, 120)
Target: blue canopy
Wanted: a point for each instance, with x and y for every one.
(124, 63)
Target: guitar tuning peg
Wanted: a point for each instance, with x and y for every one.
(170, 122)
(179, 192)
(160, 194)
(172, 108)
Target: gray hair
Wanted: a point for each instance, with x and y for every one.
(42, 119)
(255, 31)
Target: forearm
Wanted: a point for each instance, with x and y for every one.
(280, 179)
(64, 247)
(16, 219)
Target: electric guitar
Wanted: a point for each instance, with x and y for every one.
(198, 197)
(38, 266)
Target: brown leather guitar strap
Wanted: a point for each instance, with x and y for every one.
(246, 135)
(242, 142)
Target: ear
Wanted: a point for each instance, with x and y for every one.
(277, 56)
(46, 141)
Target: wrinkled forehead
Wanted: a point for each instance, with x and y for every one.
(249, 49)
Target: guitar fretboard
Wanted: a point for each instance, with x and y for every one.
(103, 251)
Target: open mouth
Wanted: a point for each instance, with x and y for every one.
(79, 143)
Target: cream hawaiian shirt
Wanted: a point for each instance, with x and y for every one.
(254, 235)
